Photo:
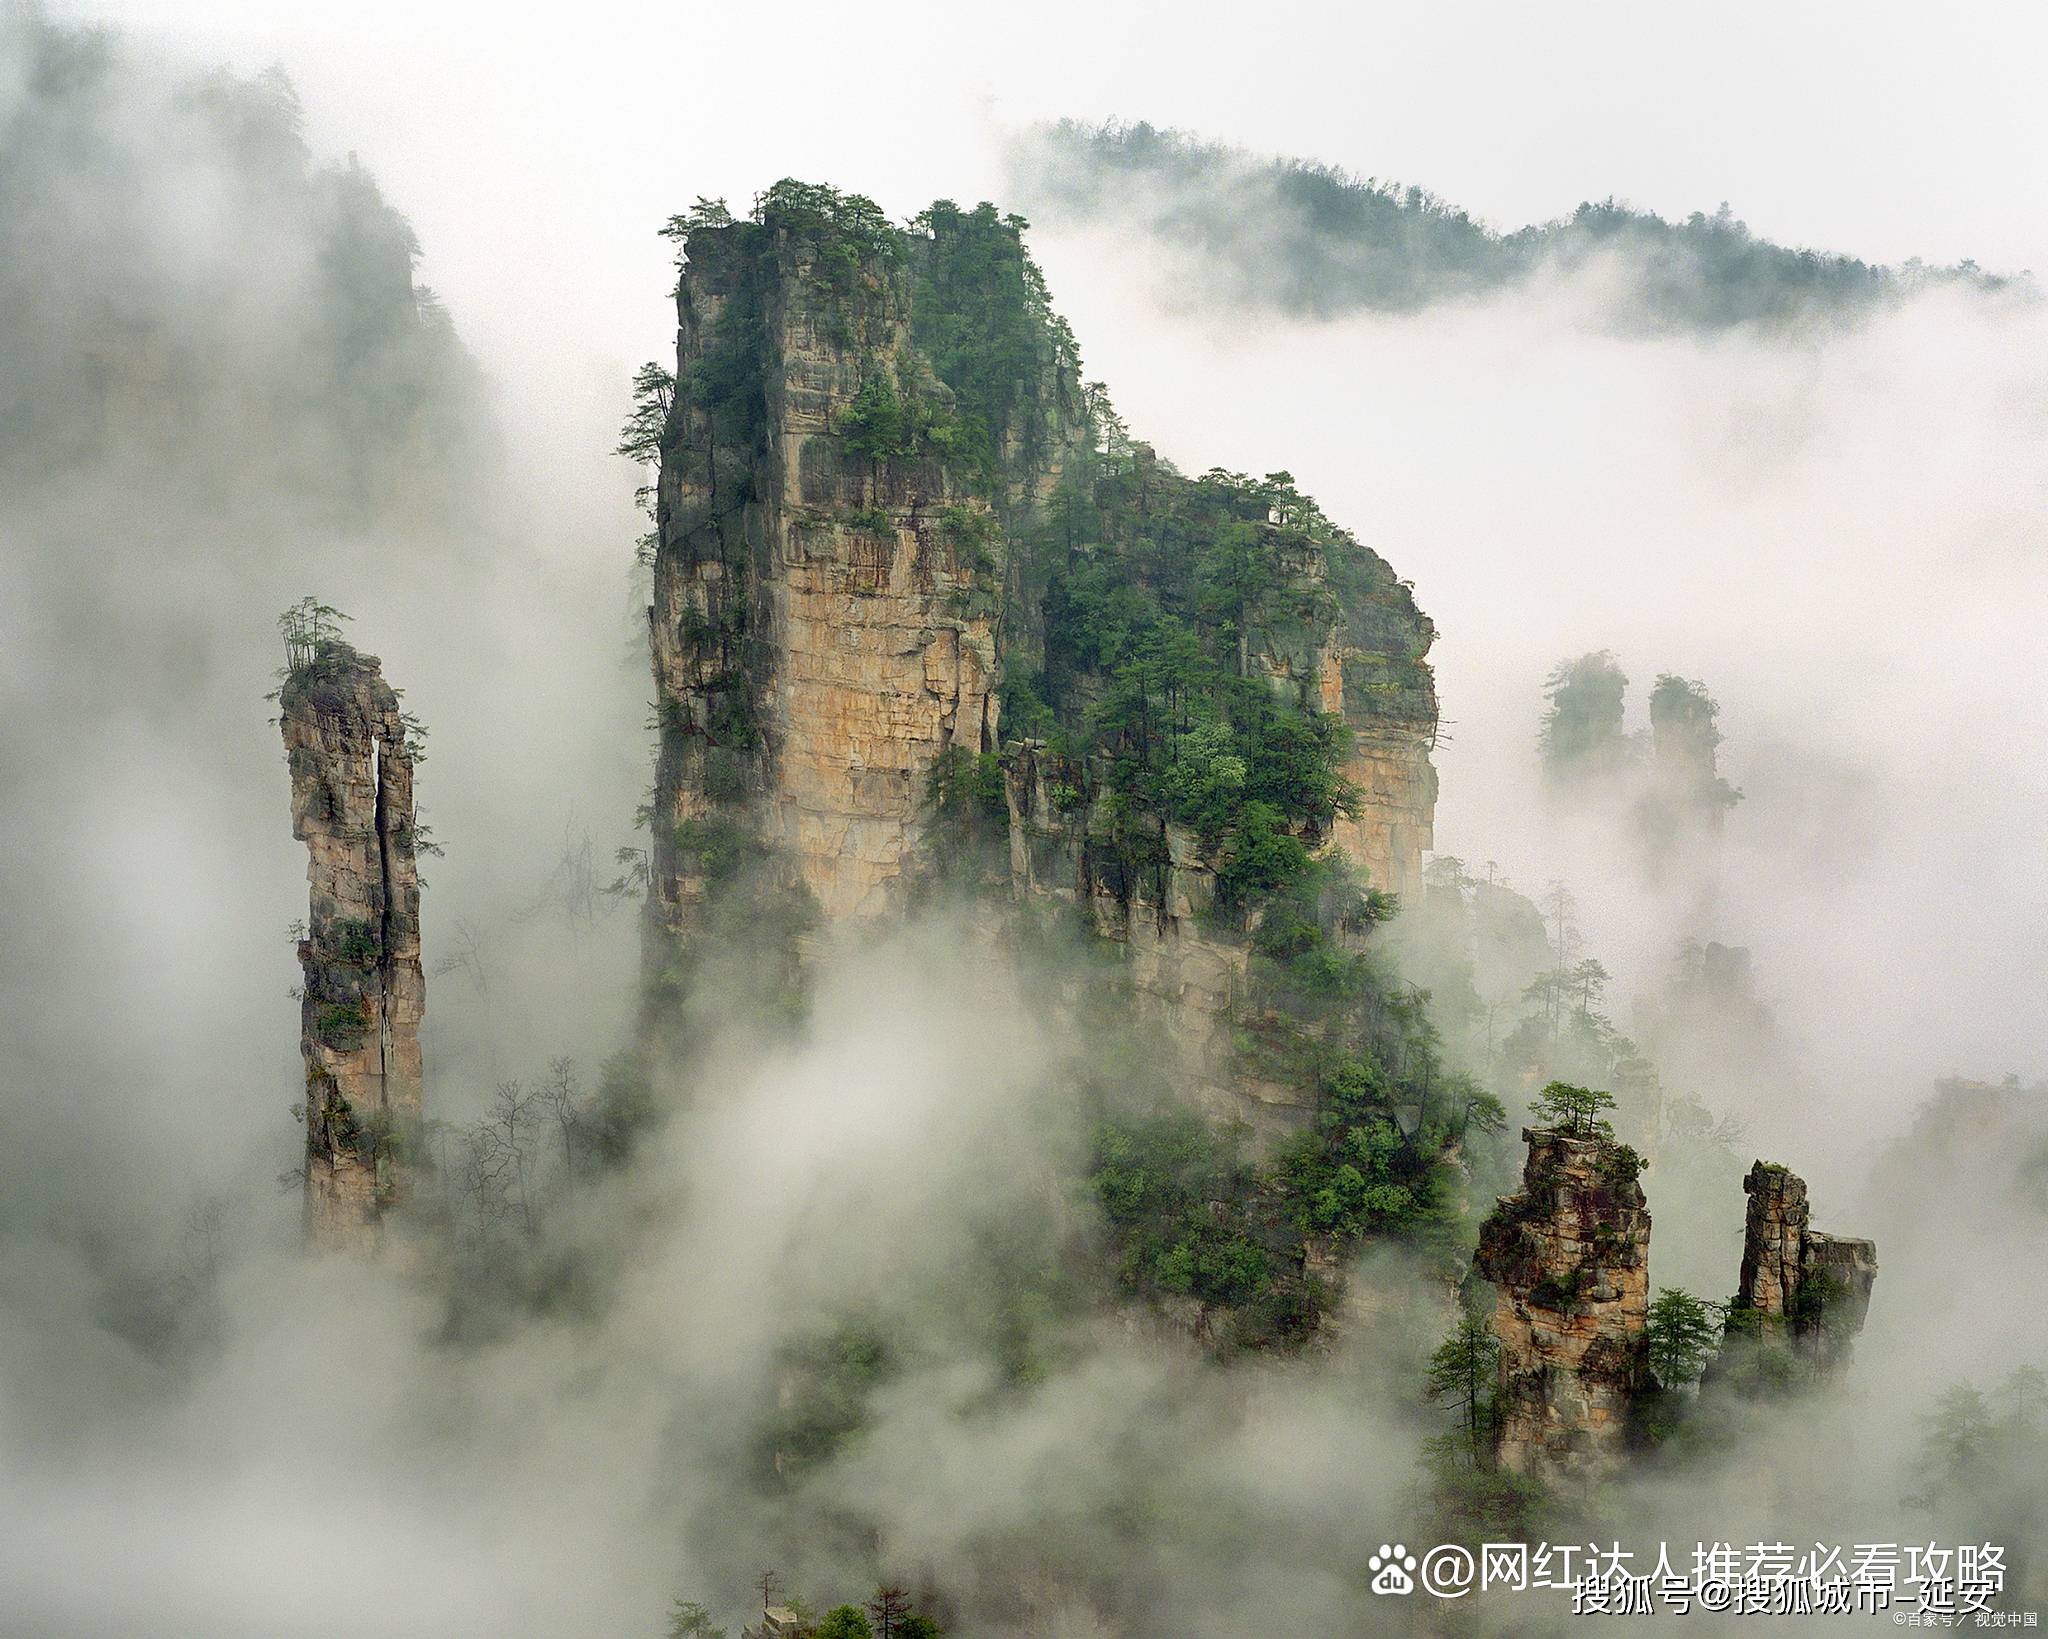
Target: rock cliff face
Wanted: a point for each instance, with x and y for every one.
(1773, 1240)
(820, 627)
(1358, 657)
(1568, 1256)
(1801, 1290)
(882, 496)
(346, 743)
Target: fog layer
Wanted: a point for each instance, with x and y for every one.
(1839, 532)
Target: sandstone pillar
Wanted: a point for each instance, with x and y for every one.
(1569, 1258)
(346, 743)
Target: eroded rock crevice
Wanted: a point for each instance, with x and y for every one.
(348, 748)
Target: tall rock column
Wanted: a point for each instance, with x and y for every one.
(888, 511)
(825, 594)
(1773, 1239)
(1803, 1293)
(1569, 1258)
(347, 747)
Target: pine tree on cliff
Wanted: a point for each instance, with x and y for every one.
(1574, 1111)
(1462, 1374)
(1684, 1332)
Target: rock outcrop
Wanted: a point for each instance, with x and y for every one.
(348, 748)
(1803, 1295)
(1186, 967)
(1773, 1240)
(821, 628)
(1568, 1256)
(1685, 796)
(866, 517)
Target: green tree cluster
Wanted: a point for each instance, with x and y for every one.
(1574, 1111)
(1684, 1331)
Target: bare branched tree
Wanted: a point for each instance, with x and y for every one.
(558, 1098)
(572, 891)
(483, 1178)
(466, 957)
(508, 1133)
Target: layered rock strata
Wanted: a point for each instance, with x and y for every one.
(1568, 1256)
(833, 612)
(818, 636)
(364, 992)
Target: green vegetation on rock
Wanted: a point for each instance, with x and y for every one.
(1167, 652)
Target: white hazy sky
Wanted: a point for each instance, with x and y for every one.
(537, 147)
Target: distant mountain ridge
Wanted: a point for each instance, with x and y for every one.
(1313, 240)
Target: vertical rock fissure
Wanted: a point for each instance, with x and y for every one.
(364, 990)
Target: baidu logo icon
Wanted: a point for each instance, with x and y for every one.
(1392, 1569)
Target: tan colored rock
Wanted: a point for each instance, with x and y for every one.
(1395, 823)
(364, 993)
(820, 637)
(1773, 1239)
(1568, 1256)
(1802, 1292)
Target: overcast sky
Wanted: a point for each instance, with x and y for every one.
(536, 147)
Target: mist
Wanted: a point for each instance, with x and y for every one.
(1305, 240)
(1816, 531)
(1838, 531)
(1836, 527)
